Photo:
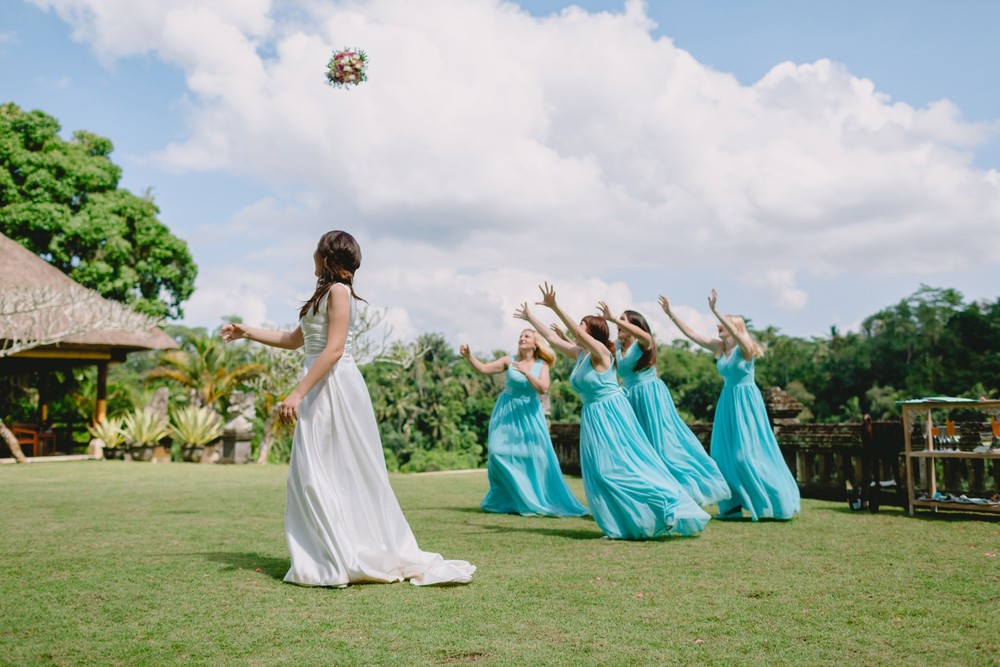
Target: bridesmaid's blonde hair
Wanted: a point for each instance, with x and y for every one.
(756, 349)
(542, 349)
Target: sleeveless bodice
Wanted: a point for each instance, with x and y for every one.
(626, 366)
(517, 383)
(314, 325)
(591, 385)
(734, 369)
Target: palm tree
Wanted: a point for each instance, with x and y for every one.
(207, 367)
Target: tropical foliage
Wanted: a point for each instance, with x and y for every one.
(931, 343)
(144, 427)
(432, 408)
(61, 199)
(196, 424)
(208, 369)
(109, 431)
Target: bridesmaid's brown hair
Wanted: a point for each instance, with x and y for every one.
(598, 330)
(648, 358)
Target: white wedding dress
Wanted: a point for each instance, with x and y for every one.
(342, 520)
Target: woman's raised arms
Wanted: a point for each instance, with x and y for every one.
(713, 344)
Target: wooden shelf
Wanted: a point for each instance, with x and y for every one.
(923, 410)
(939, 454)
(941, 504)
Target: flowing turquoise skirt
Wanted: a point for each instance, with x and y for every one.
(631, 493)
(679, 448)
(523, 471)
(744, 447)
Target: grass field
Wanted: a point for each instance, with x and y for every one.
(113, 563)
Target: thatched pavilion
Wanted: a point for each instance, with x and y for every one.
(49, 322)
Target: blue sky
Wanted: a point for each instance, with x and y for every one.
(810, 193)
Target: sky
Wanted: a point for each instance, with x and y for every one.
(812, 161)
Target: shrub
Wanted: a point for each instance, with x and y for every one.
(144, 427)
(196, 425)
(109, 431)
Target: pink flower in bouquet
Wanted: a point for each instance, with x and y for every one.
(347, 68)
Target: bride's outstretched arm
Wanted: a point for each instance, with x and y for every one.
(289, 340)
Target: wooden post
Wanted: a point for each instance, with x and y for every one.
(43, 401)
(101, 405)
(907, 448)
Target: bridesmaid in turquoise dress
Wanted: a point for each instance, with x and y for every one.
(743, 443)
(650, 399)
(631, 493)
(522, 467)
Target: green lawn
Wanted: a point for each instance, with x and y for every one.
(113, 563)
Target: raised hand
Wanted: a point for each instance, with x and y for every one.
(712, 299)
(464, 351)
(665, 305)
(233, 331)
(522, 313)
(604, 311)
(559, 332)
(548, 295)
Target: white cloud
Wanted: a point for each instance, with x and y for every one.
(221, 292)
(780, 286)
(491, 150)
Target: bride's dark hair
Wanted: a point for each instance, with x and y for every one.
(339, 257)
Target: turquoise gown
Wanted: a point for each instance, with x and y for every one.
(631, 493)
(679, 448)
(744, 446)
(522, 467)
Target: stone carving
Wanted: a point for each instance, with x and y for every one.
(158, 404)
(241, 406)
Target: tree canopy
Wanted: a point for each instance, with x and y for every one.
(61, 200)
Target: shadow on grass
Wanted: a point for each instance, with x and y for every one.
(553, 532)
(231, 560)
(465, 510)
(922, 513)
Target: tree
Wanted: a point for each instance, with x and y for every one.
(420, 393)
(61, 200)
(692, 378)
(206, 367)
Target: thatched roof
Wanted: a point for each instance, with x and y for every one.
(40, 302)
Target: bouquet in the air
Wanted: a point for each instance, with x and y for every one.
(347, 68)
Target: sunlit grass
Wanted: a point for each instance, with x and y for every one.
(110, 563)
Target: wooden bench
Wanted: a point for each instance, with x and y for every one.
(29, 435)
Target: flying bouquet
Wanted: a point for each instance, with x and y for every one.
(347, 68)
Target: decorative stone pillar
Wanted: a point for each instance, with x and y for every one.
(238, 432)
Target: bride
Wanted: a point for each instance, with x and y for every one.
(343, 523)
